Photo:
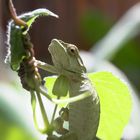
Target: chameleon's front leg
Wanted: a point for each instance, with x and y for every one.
(45, 66)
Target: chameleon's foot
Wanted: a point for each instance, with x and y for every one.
(64, 113)
(58, 122)
(58, 126)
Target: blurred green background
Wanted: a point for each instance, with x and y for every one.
(83, 23)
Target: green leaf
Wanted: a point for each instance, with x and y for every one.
(61, 86)
(49, 83)
(30, 17)
(16, 51)
(115, 102)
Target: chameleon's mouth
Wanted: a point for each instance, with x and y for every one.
(59, 54)
(56, 48)
(69, 70)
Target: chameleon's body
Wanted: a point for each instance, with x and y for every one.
(84, 114)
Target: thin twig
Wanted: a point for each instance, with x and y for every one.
(43, 112)
(14, 16)
(54, 112)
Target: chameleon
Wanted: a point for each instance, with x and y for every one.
(84, 114)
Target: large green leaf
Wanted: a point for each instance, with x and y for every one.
(115, 102)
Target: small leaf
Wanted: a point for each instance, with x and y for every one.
(49, 83)
(115, 103)
(30, 17)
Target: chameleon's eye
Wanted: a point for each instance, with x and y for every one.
(72, 50)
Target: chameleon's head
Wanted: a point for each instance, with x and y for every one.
(66, 57)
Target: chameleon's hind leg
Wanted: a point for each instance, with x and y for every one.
(59, 122)
(58, 126)
(64, 113)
